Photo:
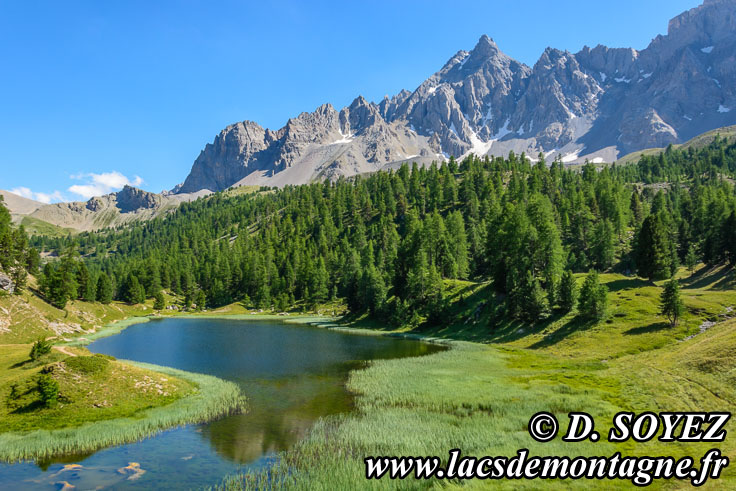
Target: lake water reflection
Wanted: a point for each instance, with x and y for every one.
(292, 375)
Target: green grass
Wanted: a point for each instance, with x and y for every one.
(102, 401)
(35, 226)
(26, 317)
(91, 388)
(131, 416)
(479, 397)
(699, 141)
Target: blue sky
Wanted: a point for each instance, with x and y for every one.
(95, 94)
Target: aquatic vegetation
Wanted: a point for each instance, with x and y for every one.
(479, 399)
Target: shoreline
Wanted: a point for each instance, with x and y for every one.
(213, 398)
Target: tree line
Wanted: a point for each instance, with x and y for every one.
(17, 257)
(386, 242)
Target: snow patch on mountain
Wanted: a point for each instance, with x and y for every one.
(346, 138)
(503, 131)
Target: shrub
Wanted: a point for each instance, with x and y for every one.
(593, 302)
(48, 388)
(40, 348)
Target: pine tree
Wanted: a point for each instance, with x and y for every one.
(567, 292)
(603, 245)
(390, 238)
(728, 239)
(58, 288)
(532, 300)
(319, 288)
(19, 275)
(691, 259)
(104, 289)
(434, 296)
(159, 302)
(593, 301)
(134, 293)
(459, 244)
(201, 300)
(83, 280)
(670, 302)
(653, 250)
(374, 290)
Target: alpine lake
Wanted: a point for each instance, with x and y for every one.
(292, 375)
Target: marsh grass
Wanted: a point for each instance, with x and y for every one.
(479, 398)
(213, 398)
(469, 397)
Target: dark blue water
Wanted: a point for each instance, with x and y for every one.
(291, 375)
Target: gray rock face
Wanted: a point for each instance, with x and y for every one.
(127, 205)
(131, 199)
(599, 103)
(6, 284)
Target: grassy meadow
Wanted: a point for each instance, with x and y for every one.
(26, 317)
(478, 396)
(101, 401)
(206, 398)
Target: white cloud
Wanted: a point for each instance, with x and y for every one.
(42, 197)
(99, 184)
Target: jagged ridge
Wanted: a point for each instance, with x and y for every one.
(599, 103)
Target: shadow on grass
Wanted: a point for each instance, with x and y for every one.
(626, 284)
(654, 327)
(29, 408)
(466, 319)
(717, 278)
(22, 364)
(576, 324)
(29, 364)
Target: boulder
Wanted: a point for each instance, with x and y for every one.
(6, 284)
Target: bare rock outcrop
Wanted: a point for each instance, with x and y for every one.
(597, 104)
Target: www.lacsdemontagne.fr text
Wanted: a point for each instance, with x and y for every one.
(641, 471)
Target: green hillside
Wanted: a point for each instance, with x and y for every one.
(699, 141)
(589, 289)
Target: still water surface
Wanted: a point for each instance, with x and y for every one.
(291, 375)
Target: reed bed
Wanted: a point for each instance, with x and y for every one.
(468, 397)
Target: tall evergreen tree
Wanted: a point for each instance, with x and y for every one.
(104, 289)
(654, 250)
(568, 292)
(593, 301)
(670, 302)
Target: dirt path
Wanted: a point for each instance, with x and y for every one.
(65, 350)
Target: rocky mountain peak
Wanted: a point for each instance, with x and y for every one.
(131, 199)
(360, 115)
(486, 47)
(599, 103)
